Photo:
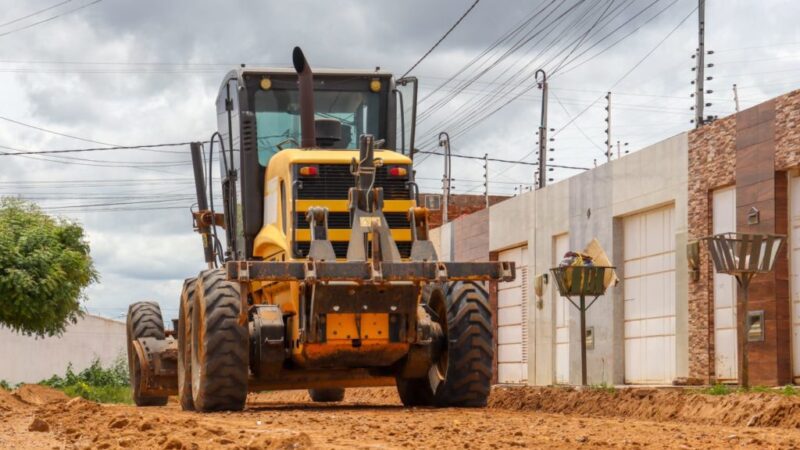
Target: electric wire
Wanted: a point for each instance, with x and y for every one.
(31, 25)
(474, 4)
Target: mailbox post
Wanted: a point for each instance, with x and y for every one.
(743, 255)
(581, 282)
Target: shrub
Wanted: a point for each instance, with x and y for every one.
(96, 383)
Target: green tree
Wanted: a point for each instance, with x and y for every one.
(44, 268)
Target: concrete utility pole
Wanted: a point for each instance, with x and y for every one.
(736, 97)
(444, 141)
(609, 145)
(542, 176)
(699, 101)
(486, 178)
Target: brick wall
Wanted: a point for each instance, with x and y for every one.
(460, 205)
(752, 149)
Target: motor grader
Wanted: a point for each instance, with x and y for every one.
(327, 279)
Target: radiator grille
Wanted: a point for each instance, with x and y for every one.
(334, 181)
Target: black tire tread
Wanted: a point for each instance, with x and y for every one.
(184, 344)
(224, 372)
(144, 321)
(471, 353)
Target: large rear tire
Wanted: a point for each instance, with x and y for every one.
(184, 337)
(463, 373)
(326, 395)
(144, 321)
(219, 350)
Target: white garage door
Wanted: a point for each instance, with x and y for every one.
(794, 243)
(561, 246)
(725, 359)
(512, 321)
(649, 285)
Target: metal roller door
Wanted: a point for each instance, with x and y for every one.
(649, 284)
(725, 357)
(562, 309)
(512, 320)
(794, 255)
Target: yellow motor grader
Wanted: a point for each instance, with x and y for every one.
(327, 279)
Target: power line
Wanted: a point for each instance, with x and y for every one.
(95, 149)
(16, 122)
(50, 18)
(35, 13)
(508, 161)
(572, 120)
(635, 66)
(442, 38)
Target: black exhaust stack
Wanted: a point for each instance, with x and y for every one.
(305, 78)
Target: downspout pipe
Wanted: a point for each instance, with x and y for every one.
(305, 78)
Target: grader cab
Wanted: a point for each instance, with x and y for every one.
(327, 279)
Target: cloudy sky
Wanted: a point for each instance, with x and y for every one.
(147, 72)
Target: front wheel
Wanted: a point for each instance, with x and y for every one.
(219, 350)
(462, 374)
(144, 321)
(185, 344)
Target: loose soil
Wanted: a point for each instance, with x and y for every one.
(35, 417)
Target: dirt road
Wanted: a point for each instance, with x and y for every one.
(373, 418)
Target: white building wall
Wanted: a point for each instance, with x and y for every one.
(588, 205)
(30, 360)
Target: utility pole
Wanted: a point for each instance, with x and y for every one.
(699, 101)
(486, 178)
(609, 145)
(542, 178)
(736, 97)
(444, 141)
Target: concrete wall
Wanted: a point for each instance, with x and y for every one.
(30, 360)
(589, 205)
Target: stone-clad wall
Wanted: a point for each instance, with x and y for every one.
(753, 149)
(712, 163)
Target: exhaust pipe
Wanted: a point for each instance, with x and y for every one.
(305, 78)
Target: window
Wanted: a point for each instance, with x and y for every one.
(278, 117)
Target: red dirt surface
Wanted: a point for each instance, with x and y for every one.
(370, 418)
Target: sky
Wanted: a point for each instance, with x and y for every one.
(147, 72)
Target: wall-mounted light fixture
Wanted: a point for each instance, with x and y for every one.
(693, 258)
(753, 216)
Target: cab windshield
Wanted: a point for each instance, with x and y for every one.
(278, 117)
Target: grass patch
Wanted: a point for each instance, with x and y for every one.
(789, 390)
(717, 389)
(604, 387)
(96, 383)
(4, 385)
(100, 394)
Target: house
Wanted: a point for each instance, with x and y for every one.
(660, 324)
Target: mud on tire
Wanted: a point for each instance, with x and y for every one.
(184, 337)
(219, 345)
(463, 374)
(144, 321)
(326, 395)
